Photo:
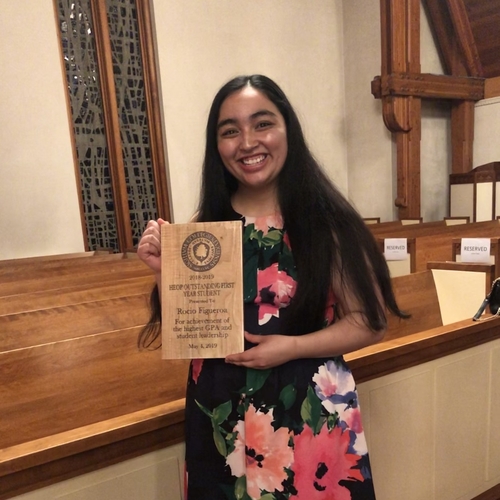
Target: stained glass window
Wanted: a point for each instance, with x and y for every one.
(85, 93)
(131, 99)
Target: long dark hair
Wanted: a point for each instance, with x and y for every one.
(329, 239)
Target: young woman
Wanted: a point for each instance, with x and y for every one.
(281, 420)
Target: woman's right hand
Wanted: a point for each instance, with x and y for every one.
(149, 248)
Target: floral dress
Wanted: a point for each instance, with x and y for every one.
(290, 432)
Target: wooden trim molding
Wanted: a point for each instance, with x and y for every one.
(491, 494)
(429, 86)
(49, 460)
(154, 107)
(411, 350)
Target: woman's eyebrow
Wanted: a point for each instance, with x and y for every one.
(253, 116)
(227, 121)
(263, 112)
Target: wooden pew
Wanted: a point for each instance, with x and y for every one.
(435, 243)
(68, 276)
(67, 385)
(416, 295)
(23, 330)
(489, 270)
(90, 400)
(7, 263)
(388, 229)
(430, 228)
(401, 222)
(71, 407)
(372, 220)
(77, 294)
(383, 226)
(424, 337)
(72, 376)
(34, 267)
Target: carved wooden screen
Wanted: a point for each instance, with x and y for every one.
(109, 63)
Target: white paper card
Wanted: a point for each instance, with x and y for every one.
(396, 248)
(475, 250)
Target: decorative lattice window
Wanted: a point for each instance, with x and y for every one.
(109, 61)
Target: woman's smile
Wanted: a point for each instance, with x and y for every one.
(253, 160)
(251, 139)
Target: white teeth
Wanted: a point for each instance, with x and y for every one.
(253, 161)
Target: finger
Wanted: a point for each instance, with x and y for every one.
(254, 339)
(150, 241)
(238, 358)
(148, 248)
(152, 232)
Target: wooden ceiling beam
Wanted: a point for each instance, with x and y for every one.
(443, 32)
(428, 86)
(465, 37)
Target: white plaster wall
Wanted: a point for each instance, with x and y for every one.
(39, 212)
(486, 127)
(435, 160)
(371, 176)
(435, 154)
(203, 44)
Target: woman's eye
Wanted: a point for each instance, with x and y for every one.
(228, 132)
(264, 124)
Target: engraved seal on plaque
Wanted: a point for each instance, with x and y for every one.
(201, 251)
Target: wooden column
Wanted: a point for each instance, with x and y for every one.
(400, 24)
(462, 136)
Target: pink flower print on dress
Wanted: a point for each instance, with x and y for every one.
(266, 222)
(197, 365)
(275, 290)
(260, 452)
(336, 389)
(314, 480)
(330, 308)
(286, 240)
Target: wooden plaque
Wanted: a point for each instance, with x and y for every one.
(201, 290)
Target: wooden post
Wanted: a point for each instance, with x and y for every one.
(400, 24)
(462, 136)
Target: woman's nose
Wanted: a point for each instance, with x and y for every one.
(248, 140)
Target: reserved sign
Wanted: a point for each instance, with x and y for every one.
(202, 290)
(475, 250)
(396, 248)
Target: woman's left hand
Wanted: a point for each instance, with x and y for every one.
(269, 351)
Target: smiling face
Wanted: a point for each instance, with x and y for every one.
(251, 139)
